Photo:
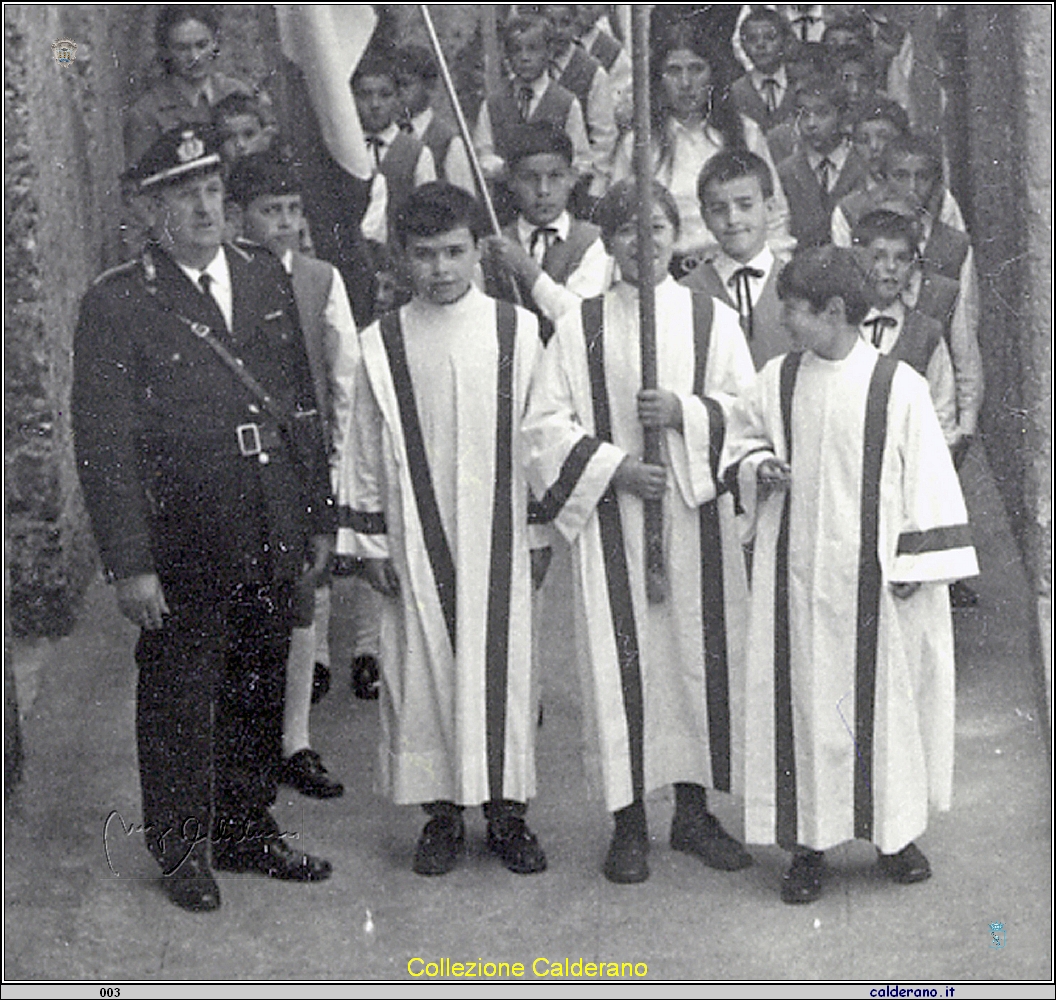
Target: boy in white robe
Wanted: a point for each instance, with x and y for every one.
(659, 679)
(434, 500)
(859, 524)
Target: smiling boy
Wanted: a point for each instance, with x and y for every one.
(434, 500)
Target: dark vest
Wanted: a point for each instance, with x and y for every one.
(505, 115)
(606, 50)
(578, 76)
(938, 299)
(312, 280)
(437, 139)
(751, 104)
(809, 206)
(945, 251)
(398, 165)
(918, 340)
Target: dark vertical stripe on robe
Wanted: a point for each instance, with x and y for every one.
(616, 574)
(869, 584)
(713, 591)
(784, 737)
(436, 544)
(499, 575)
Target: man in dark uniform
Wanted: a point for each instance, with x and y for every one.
(203, 468)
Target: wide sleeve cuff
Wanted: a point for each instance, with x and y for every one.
(362, 534)
(941, 554)
(695, 452)
(583, 479)
(747, 472)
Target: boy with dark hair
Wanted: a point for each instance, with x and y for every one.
(658, 678)
(246, 127)
(416, 76)
(888, 244)
(403, 159)
(764, 93)
(528, 95)
(735, 190)
(582, 75)
(556, 260)
(850, 686)
(825, 167)
(434, 501)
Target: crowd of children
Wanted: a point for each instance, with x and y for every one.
(796, 453)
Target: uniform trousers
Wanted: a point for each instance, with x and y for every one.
(209, 714)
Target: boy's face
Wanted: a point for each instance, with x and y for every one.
(190, 49)
(414, 93)
(687, 80)
(819, 122)
(377, 102)
(914, 178)
(562, 18)
(442, 266)
(855, 79)
(623, 245)
(276, 220)
(871, 139)
(542, 185)
(243, 136)
(815, 331)
(528, 54)
(736, 213)
(890, 263)
(762, 44)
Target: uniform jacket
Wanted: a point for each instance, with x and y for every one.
(747, 100)
(811, 207)
(155, 414)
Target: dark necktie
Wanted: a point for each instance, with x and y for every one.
(740, 283)
(547, 235)
(879, 324)
(205, 283)
(825, 169)
(377, 144)
(769, 86)
(524, 102)
(804, 21)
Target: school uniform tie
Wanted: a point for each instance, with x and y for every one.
(524, 102)
(376, 144)
(879, 324)
(805, 20)
(825, 169)
(544, 237)
(770, 86)
(740, 282)
(206, 282)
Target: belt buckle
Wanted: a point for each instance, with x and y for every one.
(248, 439)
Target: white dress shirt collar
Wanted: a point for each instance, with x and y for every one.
(220, 288)
(725, 266)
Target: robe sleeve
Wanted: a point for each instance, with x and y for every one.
(568, 468)
(934, 541)
(696, 452)
(361, 513)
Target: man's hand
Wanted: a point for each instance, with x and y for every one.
(322, 557)
(141, 600)
(540, 564)
(659, 408)
(772, 475)
(645, 481)
(512, 257)
(904, 589)
(381, 575)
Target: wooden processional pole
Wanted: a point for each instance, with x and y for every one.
(655, 572)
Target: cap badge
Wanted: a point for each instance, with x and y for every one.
(190, 147)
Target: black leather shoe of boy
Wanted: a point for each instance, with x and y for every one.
(906, 867)
(627, 861)
(273, 857)
(304, 771)
(365, 681)
(192, 886)
(703, 835)
(439, 845)
(802, 882)
(510, 838)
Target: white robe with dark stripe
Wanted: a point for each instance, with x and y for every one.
(647, 711)
(453, 632)
(850, 707)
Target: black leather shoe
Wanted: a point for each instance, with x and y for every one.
(439, 845)
(192, 886)
(907, 866)
(510, 838)
(270, 856)
(802, 882)
(365, 681)
(627, 861)
(305, 772)
(702, 834)
(320, 682)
